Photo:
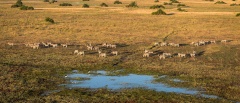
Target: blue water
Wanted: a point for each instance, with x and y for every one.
(101, 79)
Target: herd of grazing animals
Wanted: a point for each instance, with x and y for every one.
(146, 54)
(181, 55)
(97, 48)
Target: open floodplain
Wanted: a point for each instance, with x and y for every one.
(191, 55)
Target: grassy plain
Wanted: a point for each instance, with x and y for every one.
(26, 73)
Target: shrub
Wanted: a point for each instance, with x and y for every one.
(103, 5)
(132, 4)
(156, 0)
(14, 6)
(234, 4)
(220, 2)
(54, 1)
(23, 7)
(17, 4)
(45, 0)
(181, 5)
(174, 1)
(47, 19)
(159, 12)
(30, 8)
(117, 2)
(180, 9)
(238, 14)
(209, 0)
(65, 4)
(156, 6)
(85, 0)
(165, 3)
(85, 6)
(26, 8)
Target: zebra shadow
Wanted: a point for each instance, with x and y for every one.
(200, 53)
(183, 44)
(121, 45)
(157, 52)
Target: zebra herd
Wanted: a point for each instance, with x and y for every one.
(146, 54)
(193, 54)
(43, 44)
(97, 48)
(89, 47)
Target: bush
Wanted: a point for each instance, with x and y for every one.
(238, 14)
(220, 2)
(45, 0)
(165, 3)
(117, 2)
(17, 4)
(26, 8)
(181, 5)
(65, 4)
(156, 0)
(85, 6)
(132, 4)
(14, 6)
(103, 5)
(30, 8)
(174, 1)
(209, 0)
(234, 4)
(159, 12)
(182, 10)
(85, 0)
(47, 19)
(54, 1)
(156, 6)
(23, 7)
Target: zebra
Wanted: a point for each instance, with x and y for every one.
(11, 44)
(89, 47)
(81, 53)
(156, 44)
(102, 55)
(162, 56)
(64, 45)
(181, 55)
(114, 52)
(146, 54)
(75, 52)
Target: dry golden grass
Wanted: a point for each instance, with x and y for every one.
(135, 27)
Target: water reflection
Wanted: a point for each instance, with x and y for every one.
(102, 79)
